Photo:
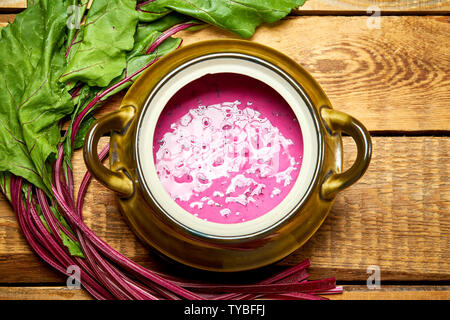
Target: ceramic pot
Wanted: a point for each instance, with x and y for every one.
(163, 224)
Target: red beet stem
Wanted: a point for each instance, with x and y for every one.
(292, 271)
(115, 256)
(168, 33)
(77, 122)
(143, 3)
(54, 224)
(71, 44)
(32, 234)
(107, 274)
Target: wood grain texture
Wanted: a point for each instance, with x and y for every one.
(334, 6)
(350, 293)
(393, 78)
(396, 78)
(362, 6)
(397, 217)
(43, 293)
(401, 292)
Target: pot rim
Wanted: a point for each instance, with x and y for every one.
(245, 52)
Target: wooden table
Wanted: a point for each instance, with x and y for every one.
(396, 80)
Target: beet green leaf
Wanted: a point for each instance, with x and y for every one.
(32, 100)
(239, 16)
(106, 37)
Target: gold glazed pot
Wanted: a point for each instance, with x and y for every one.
(159, 222)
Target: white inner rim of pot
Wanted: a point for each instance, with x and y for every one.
(155, 106)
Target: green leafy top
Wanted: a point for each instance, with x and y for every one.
(239, 16)
(107, 35)
(32, 100)
(41, 59)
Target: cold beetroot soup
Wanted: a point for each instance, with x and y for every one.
(227, 148)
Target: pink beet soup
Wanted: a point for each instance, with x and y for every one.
(227, 148)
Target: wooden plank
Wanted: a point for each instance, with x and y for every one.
(402, 292)
(350, 293)
(396, 78)
(331, 6)
(393, 78)
(363, 6)
(397, 217)
(6, 18)
(43, 293)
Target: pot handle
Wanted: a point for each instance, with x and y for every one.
(117, 181)
(339, 121)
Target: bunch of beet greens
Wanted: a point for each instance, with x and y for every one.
(59, 62)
